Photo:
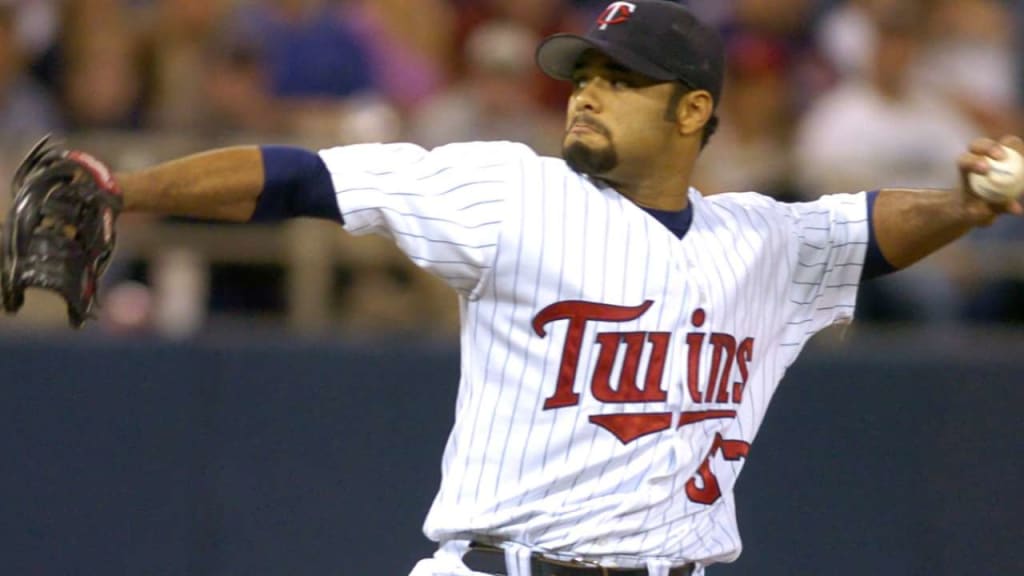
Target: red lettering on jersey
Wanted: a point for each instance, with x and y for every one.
(695, 416)
(725, 355)
(629, 427)
(656, 364)
(628, 391)
(578, 313)
(695, 345)
(744, 355)
(707, 490)
(721, 344)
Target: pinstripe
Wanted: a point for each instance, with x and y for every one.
(772, 249)
(591, 440)
(740, 426)
(426, 260)
(501, 387)
(448, 242)
(468, 184)
(364, 189)
(475, 204)
(445, 169)
(510, 432)
(667, 283)
(550, 350)
(562, 249)
(715, 228)
(435, 174)
(476, 411)
(424, 218)
(586, 218)
(625, 297)
(589, 435)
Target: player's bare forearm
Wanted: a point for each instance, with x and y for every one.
(222, 184)
(911, 224)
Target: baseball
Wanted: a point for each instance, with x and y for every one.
(1004, 181)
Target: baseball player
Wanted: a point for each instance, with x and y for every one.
(621, 334)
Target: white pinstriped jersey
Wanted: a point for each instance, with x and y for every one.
(613, 375)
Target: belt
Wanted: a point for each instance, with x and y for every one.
(491, 560)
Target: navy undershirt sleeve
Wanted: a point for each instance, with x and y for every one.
(875, 264)
(296, 183)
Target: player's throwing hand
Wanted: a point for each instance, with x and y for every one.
(992, 173)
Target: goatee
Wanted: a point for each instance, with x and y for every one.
(590, 161)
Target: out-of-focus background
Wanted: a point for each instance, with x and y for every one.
(274, 399)
(822, 97)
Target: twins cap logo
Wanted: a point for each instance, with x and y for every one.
(616, 13)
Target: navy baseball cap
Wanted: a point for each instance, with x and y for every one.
(657, 38)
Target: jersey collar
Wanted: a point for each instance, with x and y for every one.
(677, 222)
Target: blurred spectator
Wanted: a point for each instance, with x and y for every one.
(1018, 22)
(38, 33)
(789, 24)
(127, 309)
(180, 50)
(410, 45)
(100, 80)
(493, 101)
(309, 51)
(971, 59)
(718, 14)
(236, 87)
(902, 100)
(885, 129)
(751, 149)
(845, 37)
(541, 17)
(777, 18)
(26, 108)
(318, 72)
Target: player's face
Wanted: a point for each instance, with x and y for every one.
(616, 118)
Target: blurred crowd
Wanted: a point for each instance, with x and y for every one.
(822, 96)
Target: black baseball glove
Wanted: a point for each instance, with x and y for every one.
(59, 233)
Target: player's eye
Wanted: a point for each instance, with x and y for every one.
(579, 82)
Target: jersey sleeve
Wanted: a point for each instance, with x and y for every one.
(828, 243)
(443, 207)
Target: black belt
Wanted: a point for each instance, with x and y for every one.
(491, 560)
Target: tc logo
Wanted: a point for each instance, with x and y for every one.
(616, 13)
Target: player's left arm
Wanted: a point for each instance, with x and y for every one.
(911, 224)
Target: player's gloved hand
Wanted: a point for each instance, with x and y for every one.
(60, 231)
(976, 161)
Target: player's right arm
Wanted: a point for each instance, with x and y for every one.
(240, 184)
(443, 208)
(222, 184)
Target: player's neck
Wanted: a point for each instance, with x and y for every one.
(670, 194)
(661, 181)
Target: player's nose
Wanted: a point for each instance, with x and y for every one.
(587, 97)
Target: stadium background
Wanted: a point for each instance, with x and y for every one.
(274, 399)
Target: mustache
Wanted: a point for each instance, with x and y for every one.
(589, 121)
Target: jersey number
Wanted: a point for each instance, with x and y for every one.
(703, 487)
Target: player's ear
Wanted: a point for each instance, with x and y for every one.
(693, 112)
